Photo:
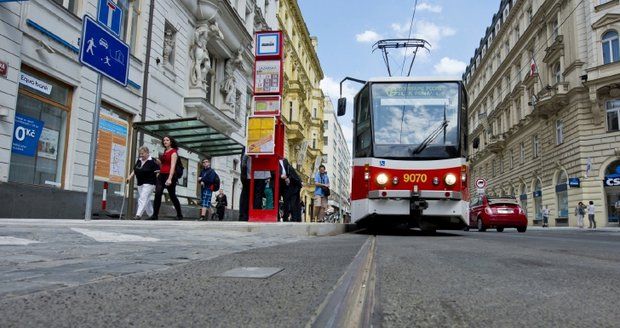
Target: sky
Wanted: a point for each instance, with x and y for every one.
(347, 29)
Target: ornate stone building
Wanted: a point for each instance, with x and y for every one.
(544, 99)
(302, 109)
(195, 59)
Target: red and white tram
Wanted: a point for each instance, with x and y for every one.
(409, 153)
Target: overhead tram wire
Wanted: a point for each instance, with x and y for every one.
(402, 67)
(543, 46)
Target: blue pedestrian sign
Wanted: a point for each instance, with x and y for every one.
(103, 52)
(111, 15)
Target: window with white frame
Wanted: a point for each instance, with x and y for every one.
(535, 146)
(506, 48)
(70, 5)
(522, 152)
(530, 15)
(131, 17)
(511, 159)
(559, 132)
(613, 115)
(553, 26)
(611, 47)
(557, 72)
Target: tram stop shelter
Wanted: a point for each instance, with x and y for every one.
(193, 134)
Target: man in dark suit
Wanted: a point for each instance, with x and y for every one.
(244, 198)
(290, 188)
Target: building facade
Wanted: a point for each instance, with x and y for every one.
(303, 99)
(337, 161)
(195, 61)
(543, 112)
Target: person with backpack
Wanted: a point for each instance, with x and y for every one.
(209, 182)
(170, 171)
(580, 212)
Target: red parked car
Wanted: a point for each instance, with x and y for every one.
(496, 212)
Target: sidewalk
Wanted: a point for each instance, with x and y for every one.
(288, 228)
(600, 229)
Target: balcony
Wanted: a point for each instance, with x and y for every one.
(294, 131)
(551, 100)
(496, 144)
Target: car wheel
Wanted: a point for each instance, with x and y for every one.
(481, 227)
(500, 229)
(521, 229)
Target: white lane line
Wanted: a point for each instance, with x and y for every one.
(7, 240)
(111, 237)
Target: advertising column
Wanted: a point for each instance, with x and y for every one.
(265, 134)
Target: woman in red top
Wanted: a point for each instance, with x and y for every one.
(166, 178)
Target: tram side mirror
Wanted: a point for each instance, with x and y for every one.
(342, 106)
(476, 143)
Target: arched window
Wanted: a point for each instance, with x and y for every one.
(523, 198)
(561, 191)
(537, 194)
(611, 47)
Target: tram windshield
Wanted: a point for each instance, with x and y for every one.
(416, 119)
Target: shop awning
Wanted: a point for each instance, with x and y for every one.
(193, 135)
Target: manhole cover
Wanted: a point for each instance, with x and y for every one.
(251, 272)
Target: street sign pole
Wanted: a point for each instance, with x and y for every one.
(93, 153)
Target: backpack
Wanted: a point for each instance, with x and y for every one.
(216, 182)
(178, 169)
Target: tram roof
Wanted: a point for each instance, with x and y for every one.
(416, 79)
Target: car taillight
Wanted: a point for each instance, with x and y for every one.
(521, 210)
(488, 210)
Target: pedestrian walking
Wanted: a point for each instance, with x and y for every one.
(290, 188)
(545, 214)
(145, 172)
(591, 210)
(580, 212)
(169, 173)
(220, 204)
(209, 182)
(321, 192)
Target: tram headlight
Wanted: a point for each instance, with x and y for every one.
(450, 179)
(382, 179)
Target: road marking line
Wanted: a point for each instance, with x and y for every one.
(112, 237)
(8, 240)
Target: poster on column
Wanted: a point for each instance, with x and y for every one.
(111, 149)
(267, 77)
(261, 135)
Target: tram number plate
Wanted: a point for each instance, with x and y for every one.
(415, 177)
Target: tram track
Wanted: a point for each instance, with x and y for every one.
(351, 303)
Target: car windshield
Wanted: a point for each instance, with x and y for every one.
(422, 117)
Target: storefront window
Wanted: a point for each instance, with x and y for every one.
(523, 199)
(561, 190)
(612, 191)
(39, 134)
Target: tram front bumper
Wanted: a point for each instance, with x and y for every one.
(427, 202)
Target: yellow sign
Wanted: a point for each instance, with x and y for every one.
(261, 135)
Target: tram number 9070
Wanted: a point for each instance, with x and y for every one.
(415, 177)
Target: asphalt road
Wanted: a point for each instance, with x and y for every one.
(173, 277)
(472, 279)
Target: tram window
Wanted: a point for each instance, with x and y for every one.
(363, 134)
